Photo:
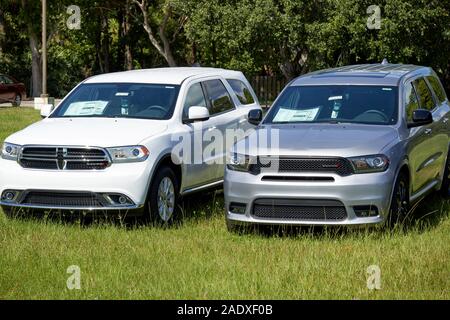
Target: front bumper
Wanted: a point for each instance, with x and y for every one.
(374, 189)
(128, 179)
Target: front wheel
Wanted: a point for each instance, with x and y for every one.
(161, 206)
(399, 209)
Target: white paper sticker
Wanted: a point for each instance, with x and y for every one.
(292, 115)
(86, 108)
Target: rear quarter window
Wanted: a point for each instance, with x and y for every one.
(242, 91)
(437, 88)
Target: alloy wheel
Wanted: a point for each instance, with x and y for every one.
(166, 199)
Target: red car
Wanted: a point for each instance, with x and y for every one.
(11, 90)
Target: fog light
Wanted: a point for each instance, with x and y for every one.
(118, 200)
(366, 211)
(238, 208)
(9, 196)
(123, 200)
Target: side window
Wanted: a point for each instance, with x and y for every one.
(2, 80)
(426, 100)
(437, 88)
(411, 102)
(241, 91)
(194, 97)
(8, 80)
(218, 96)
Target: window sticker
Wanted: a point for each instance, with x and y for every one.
(335, 98)
(86, 108)
(292, 115)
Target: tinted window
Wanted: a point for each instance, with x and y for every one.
(411, 102)
(423, 93)
(346, 103)
(194, 97)
(241, 91)
(437, 88)
(218, 96)
(9, 80)
(120, 100)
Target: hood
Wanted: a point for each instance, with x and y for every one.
(329, 140)
(98, 132)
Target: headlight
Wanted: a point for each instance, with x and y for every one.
(128, 154)
(239, 162)
(10, 151)
(372, 163)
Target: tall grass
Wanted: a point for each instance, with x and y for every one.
(199, 259)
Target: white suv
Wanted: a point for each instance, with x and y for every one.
(109, 144)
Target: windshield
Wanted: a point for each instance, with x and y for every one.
(334, 104)
(120, 100)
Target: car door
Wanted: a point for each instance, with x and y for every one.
(198, 170)
(441, 115)
(225, 117)
(3, 90)
(422, 149)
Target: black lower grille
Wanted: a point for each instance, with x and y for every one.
(62, 199)
(316, 210)
(340, 166)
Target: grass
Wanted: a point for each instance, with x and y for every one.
(199, 259)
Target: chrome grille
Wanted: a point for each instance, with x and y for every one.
(339, 166)
(63, 158)
(289, 209)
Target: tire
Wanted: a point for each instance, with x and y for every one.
(17, 101)
(399, 209)
(444, 191)
(162, 200)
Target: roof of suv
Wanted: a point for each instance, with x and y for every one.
(174, 76)
(363, 74)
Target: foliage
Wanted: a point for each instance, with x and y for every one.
(266, 37)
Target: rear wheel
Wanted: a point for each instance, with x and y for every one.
(17, 100)
(162, 200)
(399, 209)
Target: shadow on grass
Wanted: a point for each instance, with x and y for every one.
(424, 216)
(196, 207)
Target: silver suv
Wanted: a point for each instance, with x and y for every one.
(356, 145)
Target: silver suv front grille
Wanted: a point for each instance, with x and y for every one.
(64, 158)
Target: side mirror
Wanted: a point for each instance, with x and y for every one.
(255, 116)
(46, 110)
(420, 118)
(197, 113)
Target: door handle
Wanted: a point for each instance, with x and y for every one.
(242, 120)
(212, 128)
(428, 131)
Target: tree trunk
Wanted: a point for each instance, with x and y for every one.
(2, 30)
(163, 49)
(128, 63)
(36, 63)
(105, 42)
